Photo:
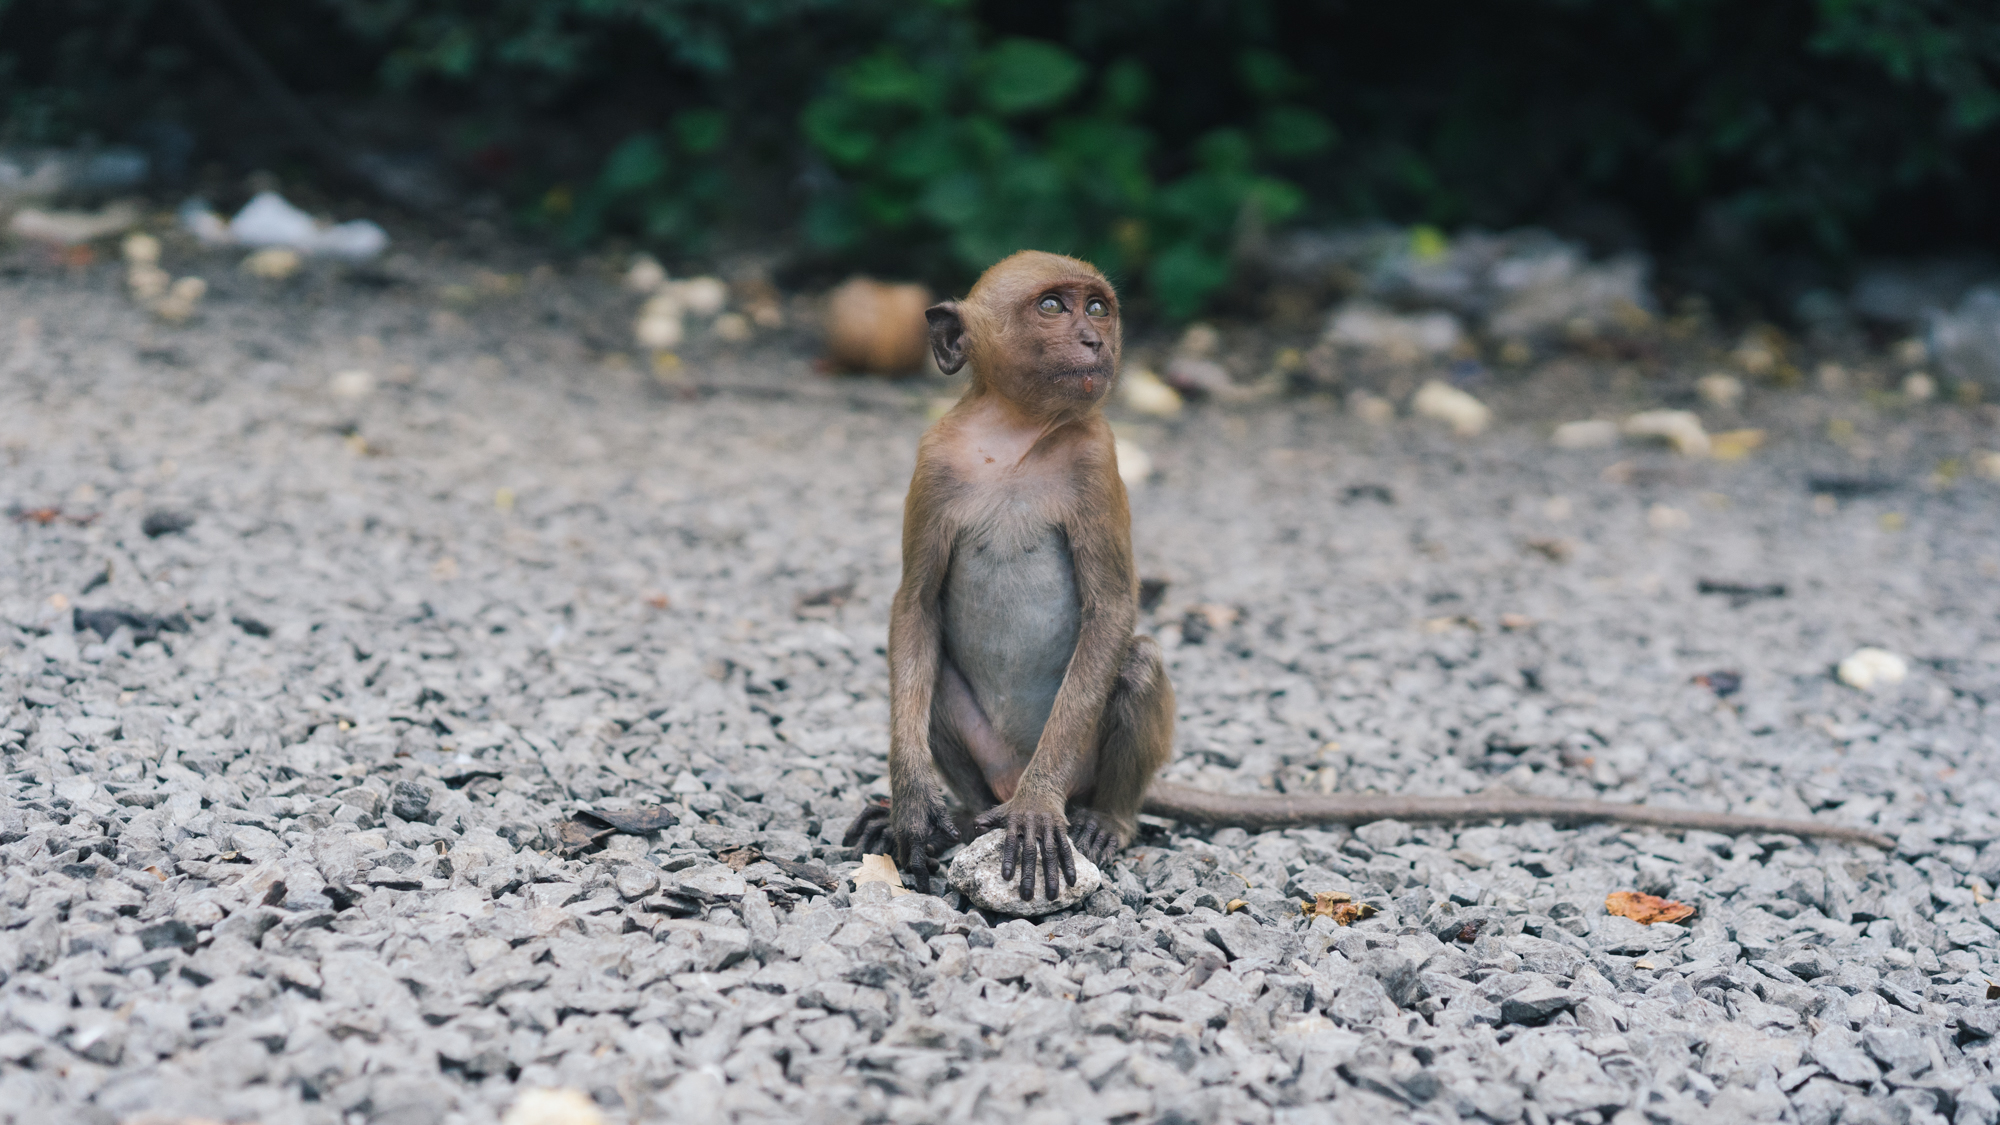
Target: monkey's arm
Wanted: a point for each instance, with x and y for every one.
(918, 822)
(1099, 534)
(1260, 811)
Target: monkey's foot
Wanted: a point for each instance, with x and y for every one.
(869, 831)
(1094, 835)
(913, 841)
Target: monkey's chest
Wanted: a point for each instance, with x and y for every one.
(1011, 618)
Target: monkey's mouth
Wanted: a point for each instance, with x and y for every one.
(1090, 379)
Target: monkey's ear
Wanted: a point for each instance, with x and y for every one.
(947, 336)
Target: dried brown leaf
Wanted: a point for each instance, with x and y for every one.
(739, 858)
(1646, 909)
(880, 869)
(1339, 906)
(573, 836)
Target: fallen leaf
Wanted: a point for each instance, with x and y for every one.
(880, 869)
(736, 859)
(1646, 909)
(1235, 904)
(1516, 622)
(1734, 445)
(574, 835)
(1337, 905)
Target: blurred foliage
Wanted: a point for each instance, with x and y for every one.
(1157, 137)
(1013, 145)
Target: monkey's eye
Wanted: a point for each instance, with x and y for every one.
(1051, 304)
(1096, 307)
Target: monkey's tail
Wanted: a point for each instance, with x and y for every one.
(1199, 806)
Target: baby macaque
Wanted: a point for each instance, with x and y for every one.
(1020, 697)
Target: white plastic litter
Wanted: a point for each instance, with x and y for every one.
(271, 220)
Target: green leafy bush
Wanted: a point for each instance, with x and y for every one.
(1153, 136)
(1018, 146)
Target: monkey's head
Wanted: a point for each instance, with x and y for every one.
(1039, 328)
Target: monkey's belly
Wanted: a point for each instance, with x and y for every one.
(1010, 623)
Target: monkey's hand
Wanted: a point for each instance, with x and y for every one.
(911, 832)
(1036, 838)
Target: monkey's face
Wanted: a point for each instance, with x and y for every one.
(1071, 332)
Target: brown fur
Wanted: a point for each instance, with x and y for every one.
(1019, 695)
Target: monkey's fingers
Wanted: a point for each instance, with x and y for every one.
(1061, 840)
(1009, 852)
(920, 874)
(1029, 865)
(870, 818)
(1051, 858)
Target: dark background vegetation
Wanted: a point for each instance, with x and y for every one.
(1745, 145)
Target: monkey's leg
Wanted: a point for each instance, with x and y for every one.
(977, 763)
(1135, 738)
(972, 761)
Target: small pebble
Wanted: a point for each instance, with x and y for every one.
(1445, 403)
(1589, 434)
(975, 873)
(1868, 668)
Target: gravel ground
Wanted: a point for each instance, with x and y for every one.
(292, 855)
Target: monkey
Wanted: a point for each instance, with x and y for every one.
(1021, 695)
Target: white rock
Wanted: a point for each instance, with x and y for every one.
(1372, 409)
(1446, 403)
(1720, 390)
(1200, 340)
(1660, 517)
(1868, 668)
(1679, 428)
(1199, 376)
(1134, 463)
(352, 384)
(142, 249)
(1400, 339)
(659, 325)
(1146, 393)
(731, 327)
(975, 872)
(553, 1107)
(1919, 387)
(1592, 433)
(274, 263)
(181, 300)
(645, 275)
(702, 296)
